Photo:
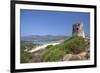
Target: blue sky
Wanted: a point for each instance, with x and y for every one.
(43, 22)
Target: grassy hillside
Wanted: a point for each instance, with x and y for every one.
(73, 45)
(26, 56)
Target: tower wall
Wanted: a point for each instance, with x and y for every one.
(78, 30)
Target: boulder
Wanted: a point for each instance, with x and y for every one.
(71, 57)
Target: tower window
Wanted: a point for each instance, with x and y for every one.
(77, 29)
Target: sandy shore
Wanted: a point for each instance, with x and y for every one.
(43, 47)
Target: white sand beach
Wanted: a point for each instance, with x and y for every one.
(43, 47)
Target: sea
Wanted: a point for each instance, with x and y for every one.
(45, 42)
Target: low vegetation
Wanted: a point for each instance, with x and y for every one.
(73, 45)
(25, 56)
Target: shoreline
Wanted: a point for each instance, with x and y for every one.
(43, 46)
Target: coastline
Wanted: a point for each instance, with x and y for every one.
(43, 46)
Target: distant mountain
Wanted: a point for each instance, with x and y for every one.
(39, 38)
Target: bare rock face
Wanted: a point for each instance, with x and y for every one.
(78, 30)
(83, 55)
(71, 57)
(67, 57)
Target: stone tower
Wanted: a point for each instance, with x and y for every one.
(78, 30)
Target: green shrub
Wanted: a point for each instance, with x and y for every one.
(53, 54)
(24, 55)
(49, 46)
(73, 45)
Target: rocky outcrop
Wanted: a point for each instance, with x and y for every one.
(72, 57)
